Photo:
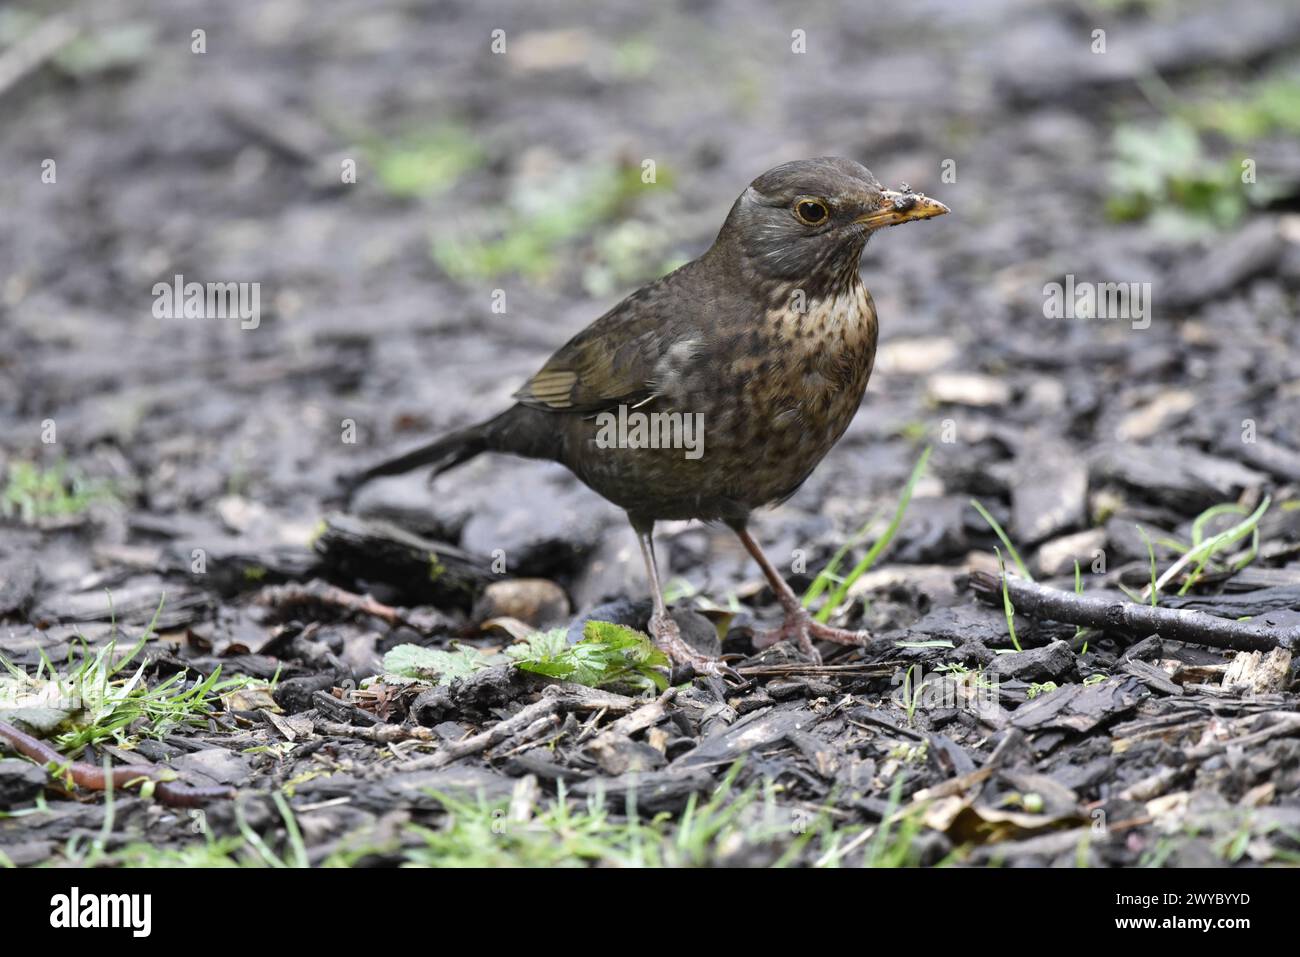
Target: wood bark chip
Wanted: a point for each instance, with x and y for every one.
(759, 730)
(427, 571)
(1257, 673)
(1079, 708)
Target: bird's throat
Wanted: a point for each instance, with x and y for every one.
(839, 315)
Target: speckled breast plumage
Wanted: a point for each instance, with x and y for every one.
(774, 396)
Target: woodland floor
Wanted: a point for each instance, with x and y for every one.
(192, 462)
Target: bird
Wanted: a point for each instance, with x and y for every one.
(755, 356)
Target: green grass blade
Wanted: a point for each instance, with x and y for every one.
(1008, 609)
(1011, 549)
(833, 603)
(827, 577)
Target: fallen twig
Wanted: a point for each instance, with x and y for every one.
(963, 782)
(1139, 621)
(379, 734)
(1285, 723)
(859, 670)
(532, 719)
(317, 594)
(646, 716)
(548, 705)
(94, 778)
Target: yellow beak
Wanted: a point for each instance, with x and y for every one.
(896, 207)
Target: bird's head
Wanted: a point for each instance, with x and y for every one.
(809, 219)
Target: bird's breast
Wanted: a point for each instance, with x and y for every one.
(770, 392)
(796, 380)
(808, 355)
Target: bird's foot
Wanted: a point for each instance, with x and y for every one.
(801, 627)
(669, 638)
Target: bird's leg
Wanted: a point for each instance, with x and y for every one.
(799, 623)
(662, 627)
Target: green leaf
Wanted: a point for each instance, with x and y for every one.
(607, 654)
(539, 645)
(430, 664)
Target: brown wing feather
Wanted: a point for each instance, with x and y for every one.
(610, 362)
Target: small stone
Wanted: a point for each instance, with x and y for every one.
(538, 602)
(294, 694)
(1057, 556)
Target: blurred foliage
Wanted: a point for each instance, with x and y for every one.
(626, 253)
(635, 57)
(32, 493)
(426, 162)
(542, 216)
(103, 51)
(1163, 172)
(1272, 105)
(1171, 172)
(93, 52)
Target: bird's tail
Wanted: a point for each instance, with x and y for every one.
(518, 430)
(443, 454)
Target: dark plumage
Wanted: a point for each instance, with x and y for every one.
(769, 336)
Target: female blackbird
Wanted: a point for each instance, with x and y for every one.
(718, 388)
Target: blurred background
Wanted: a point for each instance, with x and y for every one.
(498, 151)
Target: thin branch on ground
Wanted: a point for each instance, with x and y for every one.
(94, 778)
(1130, 618)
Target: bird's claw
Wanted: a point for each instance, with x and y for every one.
(803, 628)
(669, 637)
(733, 678)
(703, 665)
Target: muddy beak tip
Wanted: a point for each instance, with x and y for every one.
(899, 207)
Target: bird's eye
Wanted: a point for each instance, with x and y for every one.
(811, 212)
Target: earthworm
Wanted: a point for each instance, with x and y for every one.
(94, 778)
